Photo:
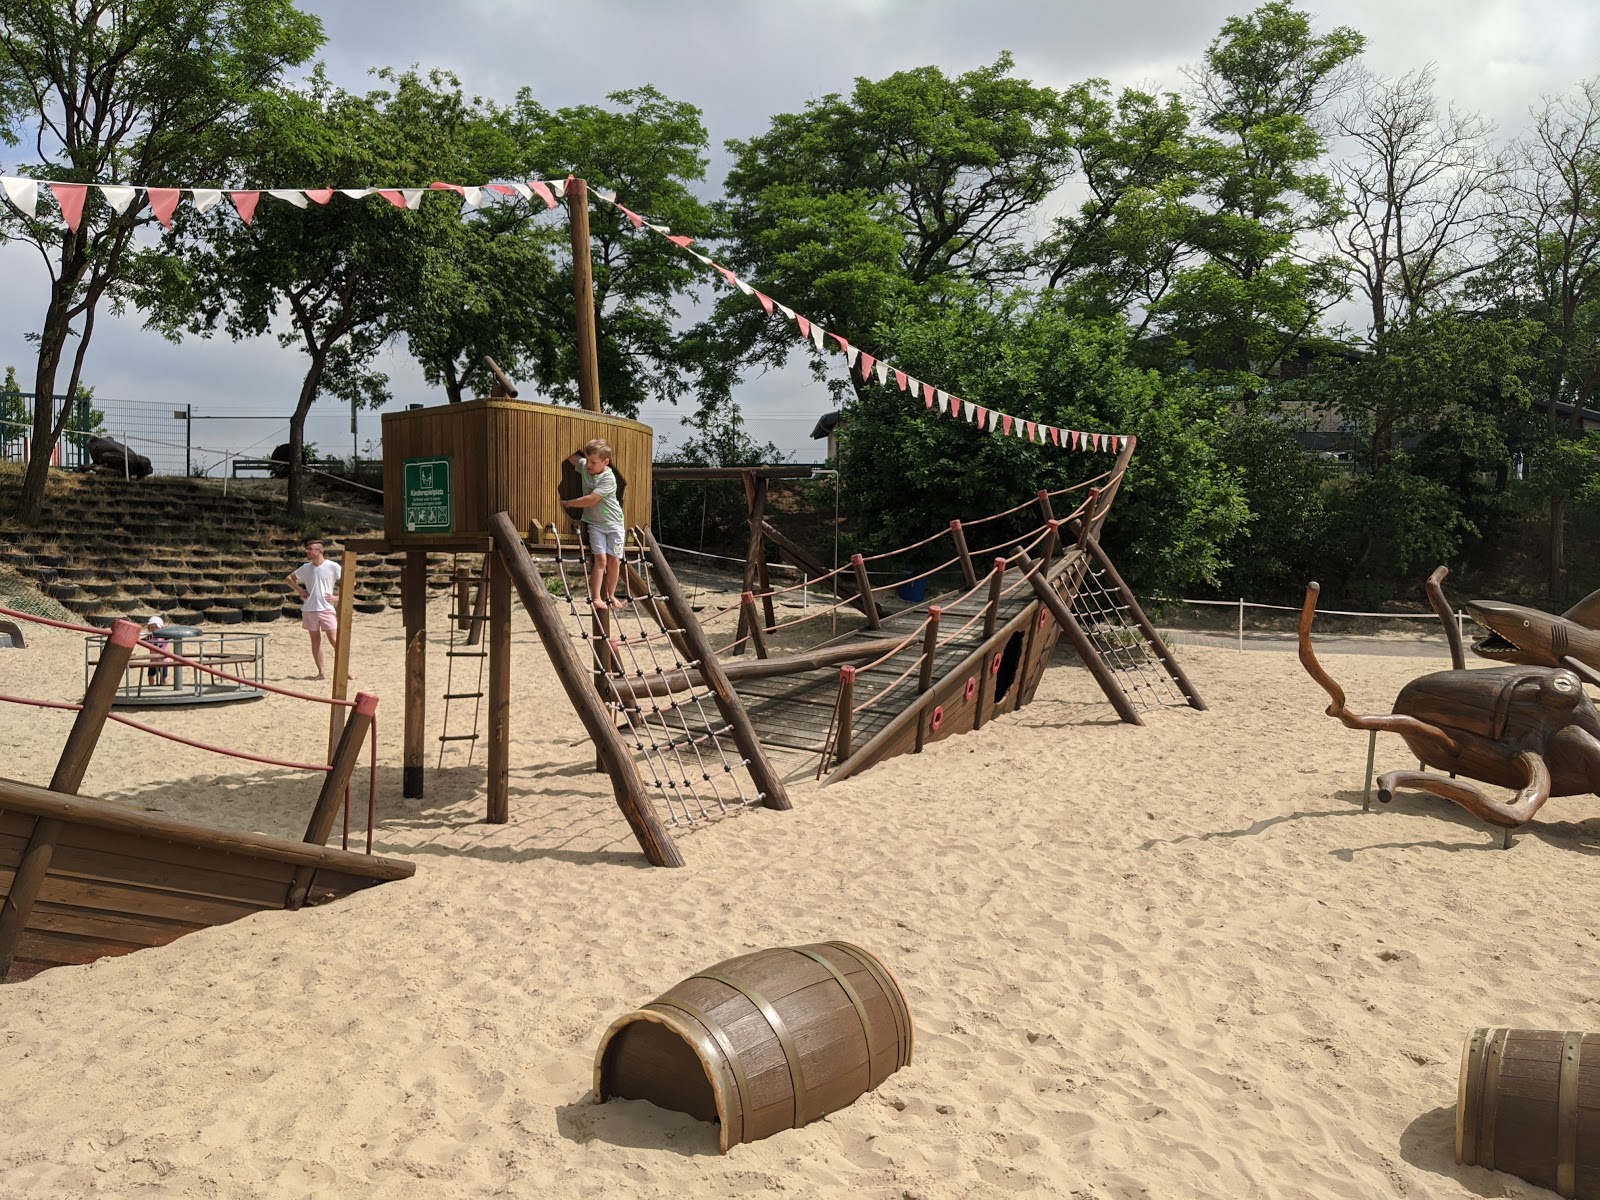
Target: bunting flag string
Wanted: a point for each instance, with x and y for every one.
(872, 367)
(70, 198)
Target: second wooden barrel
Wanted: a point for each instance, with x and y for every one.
(763, 1042)
(1528, 1102)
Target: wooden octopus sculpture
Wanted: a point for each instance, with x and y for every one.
(1531, 729)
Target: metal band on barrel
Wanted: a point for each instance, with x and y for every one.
(891, 994)
(855, 1002)
(780, 1031)
(1494, 1051)
(1567, 1116)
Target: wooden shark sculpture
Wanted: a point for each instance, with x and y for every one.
(1516, 634)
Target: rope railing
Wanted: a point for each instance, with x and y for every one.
(91, 631)
(193, 743)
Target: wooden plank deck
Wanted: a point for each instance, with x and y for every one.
(795, 712)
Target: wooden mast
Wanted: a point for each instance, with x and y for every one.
(583, 293)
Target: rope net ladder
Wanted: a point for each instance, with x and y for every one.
(686, 748)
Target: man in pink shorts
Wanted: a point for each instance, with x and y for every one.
(316, 582)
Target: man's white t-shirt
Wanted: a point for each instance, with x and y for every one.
(319, 583)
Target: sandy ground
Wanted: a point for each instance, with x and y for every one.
(1171, 961)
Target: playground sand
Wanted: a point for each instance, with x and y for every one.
(1172, 961)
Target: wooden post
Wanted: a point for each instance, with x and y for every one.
(1089, 515)
(930, 647)
(631, 798)
(341, 653)
(755, 499)
(959, 536)
(498, 585)
(1146, 628)
(1045, 507)
(847, 703)
(864, 589)
(17, 906)
(1052, 542)
(414, 614)
(1080, 641)
(342, 763)
(991, 611)
(728, 702)
(819, 573)
(753, 623)
(991, 617)
(583, 294)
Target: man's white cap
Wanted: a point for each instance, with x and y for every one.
(154, 622)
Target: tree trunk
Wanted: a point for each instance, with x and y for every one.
(1558, 547)
(296, 507)
(30, 505)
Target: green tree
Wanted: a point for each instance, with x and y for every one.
(109, 90)
(1260, 286)
(337, 274)
(84, 420)
(14, 414)
(907, 474)
(912, 184)
(649, 150)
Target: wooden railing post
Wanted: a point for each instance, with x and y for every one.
(462, 617)
(728, 702)
(991, 611)
(754, 623)
(847, 702)
(497, 583)
(959, 536)
(864, 587)
(34, 865)
(930, 647)
(342, 764)
(344, 618)
(1052, 542)
(1045, 507)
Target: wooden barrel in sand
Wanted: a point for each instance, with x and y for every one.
(763, 1042)
(1528, 1103)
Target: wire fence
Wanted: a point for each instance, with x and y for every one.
(177, 439)
(1241, 605)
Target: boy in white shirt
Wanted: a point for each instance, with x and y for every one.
(316, 582)
(602, 518)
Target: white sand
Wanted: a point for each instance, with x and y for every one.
(1172, 961)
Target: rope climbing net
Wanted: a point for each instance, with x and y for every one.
(1103, 612)
(648, 681)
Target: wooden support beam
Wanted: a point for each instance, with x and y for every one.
(753, 623)
(463, 586)
(930, 647)
(631, 797)
(1080, 640)
(1166, 656)
(819, 573)
(775, 795)
(480, 605)
(864, 589)
(1046, 509)
(414, 615)
(959, 536)
(583, 294)
(991, 617)
(17, 906)
(498, 585)
(357, 725)
(819, 659)
(755, 499)
(344, 617)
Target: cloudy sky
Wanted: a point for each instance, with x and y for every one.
(740, 61)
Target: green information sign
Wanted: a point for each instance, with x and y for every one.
(428, 507)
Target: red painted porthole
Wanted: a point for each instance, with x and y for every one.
(971, 689)
(994, 665)
(938, 717)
